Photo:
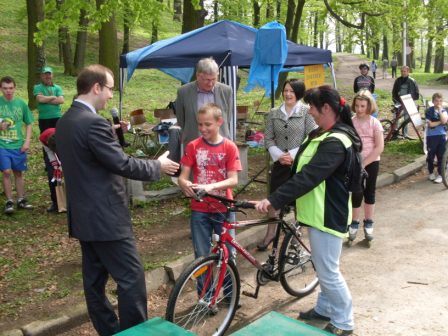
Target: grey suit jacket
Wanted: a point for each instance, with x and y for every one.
(93, 164)
(187, 108)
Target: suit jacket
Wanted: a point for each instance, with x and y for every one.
(93, 164)
(187, 108)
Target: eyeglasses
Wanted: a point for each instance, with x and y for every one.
(111, 88)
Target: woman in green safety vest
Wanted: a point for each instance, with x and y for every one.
(323, 202)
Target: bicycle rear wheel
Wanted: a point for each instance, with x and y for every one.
(387, 127)
(298, 276)
(189, 305)
(444, 168)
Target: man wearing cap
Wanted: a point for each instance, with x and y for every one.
(49, 98)
(364, 81)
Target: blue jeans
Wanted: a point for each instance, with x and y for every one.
(203, 225)
(334, 300)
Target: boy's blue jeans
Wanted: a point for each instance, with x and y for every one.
(203, 225)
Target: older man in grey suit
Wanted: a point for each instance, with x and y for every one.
(98, 214)
(192, 96)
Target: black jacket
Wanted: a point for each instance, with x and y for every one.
(412, 88)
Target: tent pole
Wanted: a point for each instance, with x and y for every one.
(272, 87)
(334, 76)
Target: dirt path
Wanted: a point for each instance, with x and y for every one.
(347, 69)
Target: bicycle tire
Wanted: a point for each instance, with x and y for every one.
(387, 126)
(297, 274)
(189, 309)
(444, 168)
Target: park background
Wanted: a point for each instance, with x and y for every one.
(39, 265)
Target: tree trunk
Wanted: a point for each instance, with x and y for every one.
(81, 42)
(297, 18)
(67, 53)
(315, 33)
(126, 32)
(289, 18)
(177, 15)
(108, 44)
(376, 50)
(385, 47)
(269, 10)
(429, 55)
(36, 55)
(410, 58)
(65, 45)
(338, 37)
(439, 56)
(155, 28)
(215, 11)
(279, 10)
(257, 13)
(192, 18)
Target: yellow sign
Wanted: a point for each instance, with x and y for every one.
(314, 75)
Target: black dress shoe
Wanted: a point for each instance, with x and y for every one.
(52, 208)
(312, 315)
(336, 331)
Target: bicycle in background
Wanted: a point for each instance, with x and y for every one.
(205, 297)
(397, 127)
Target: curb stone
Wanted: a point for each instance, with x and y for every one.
(171, 271)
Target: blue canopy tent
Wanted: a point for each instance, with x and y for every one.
(230, 43)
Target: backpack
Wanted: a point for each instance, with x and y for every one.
(356, 175)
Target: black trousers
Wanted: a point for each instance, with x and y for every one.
(43, 125)
(120, 259)
(370, 186)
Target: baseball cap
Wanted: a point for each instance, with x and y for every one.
(46, 69)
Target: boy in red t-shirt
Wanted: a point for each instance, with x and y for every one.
(214, 162)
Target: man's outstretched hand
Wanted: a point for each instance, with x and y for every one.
(168, 166)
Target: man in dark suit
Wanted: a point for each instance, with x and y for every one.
(98, 213)
(205, 89)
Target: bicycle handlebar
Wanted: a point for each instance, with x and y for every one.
(200, 194)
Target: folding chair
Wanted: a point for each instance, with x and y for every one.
(141, 129)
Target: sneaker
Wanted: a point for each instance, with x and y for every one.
(9, 207)
(52, 208)
(432, 177)
(438, 179)
(336, 331)
(368, 229)
(23, 204)
(353, 230)
(312, 315)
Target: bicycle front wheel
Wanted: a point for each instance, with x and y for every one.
(387, 127)
(298, 276)
(444, 168)
(190, 302)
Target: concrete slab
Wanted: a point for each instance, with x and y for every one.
(410, 169)
(385, 180)
(156, 278)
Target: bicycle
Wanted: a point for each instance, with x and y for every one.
(205, 297)
(397, 127)
(444, 168)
